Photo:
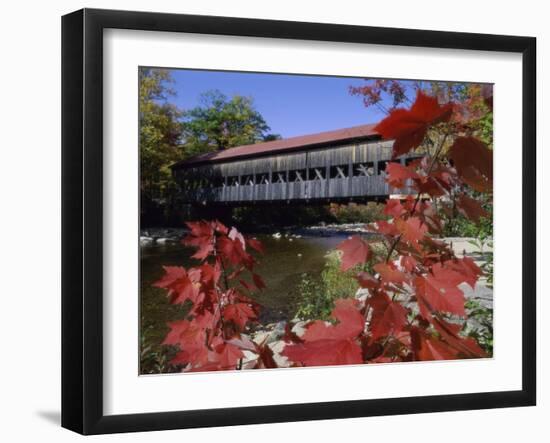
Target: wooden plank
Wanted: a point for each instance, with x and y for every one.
(350, 177)
(270, 179)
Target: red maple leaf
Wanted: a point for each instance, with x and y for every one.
(210, 274)
(350, 323)
(180, 284)
(470, 208)
(430, 348)
(171, 274)
(204, 250)
(354, 251)
(388, 317)
(327, 344)
(409, 263)
(227, 356)
(236, 235)
(393, 208)
(219, 227)
(430, 185)
(390, 274)
(408, 127)
(190, 338)
(438, 291)
(233, 251)
(207, 320)
(200, 237)
(412, 229)
(464, 346)
(256, 245)
(385, 228)
(325, 353)
(200, 229)
(239, 313)
(467, 268)
(473, 161)
(243, 341)
(366, 280)
(266, 358)
(399, 174)
(429, 216)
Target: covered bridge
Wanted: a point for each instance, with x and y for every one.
(342, 165)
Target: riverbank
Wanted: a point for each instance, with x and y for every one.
(161, 236)
(151, 236)
(292, 256)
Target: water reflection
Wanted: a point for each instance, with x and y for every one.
(284, 262)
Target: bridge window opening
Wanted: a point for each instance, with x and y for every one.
(279, 177)
(317, 174)
(217, 182)
(233, 181)
(248, 180)
(298, 175)
(364, 170)
(263, 179)
(340, 171)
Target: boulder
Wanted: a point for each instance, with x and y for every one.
(277, 347)
(299, 328)
(143, 240)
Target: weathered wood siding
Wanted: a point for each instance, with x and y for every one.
(336, 172)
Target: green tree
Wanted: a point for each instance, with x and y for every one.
(220, 123)
(160, 130)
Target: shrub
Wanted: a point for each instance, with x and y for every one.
(457, 225)
(357, 213)
(282, 215)
(317, 294)
(482, 330)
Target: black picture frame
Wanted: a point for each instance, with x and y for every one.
(82, 218)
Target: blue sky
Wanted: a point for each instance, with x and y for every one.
(291, 104)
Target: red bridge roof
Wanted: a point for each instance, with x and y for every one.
(287, 144)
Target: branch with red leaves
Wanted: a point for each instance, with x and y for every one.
(213, 336)
(414, 309)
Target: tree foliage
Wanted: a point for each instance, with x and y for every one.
(220, 123)
(159, 135)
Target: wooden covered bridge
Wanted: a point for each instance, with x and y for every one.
(342, 165)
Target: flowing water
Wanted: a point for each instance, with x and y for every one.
(285, 260)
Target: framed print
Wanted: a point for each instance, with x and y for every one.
(269, 221)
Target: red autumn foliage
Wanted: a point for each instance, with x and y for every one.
(355, 250)
(399, 174)
(414, 305)
(408, 127)
(327, 344)
(411, 309)
(214, 334)
(473, 161)
(470, 208)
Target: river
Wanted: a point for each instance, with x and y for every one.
(285, 260)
